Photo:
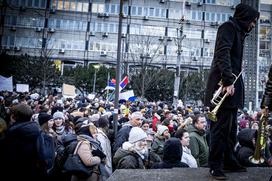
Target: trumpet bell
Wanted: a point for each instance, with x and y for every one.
(212, 116)
(256, 161)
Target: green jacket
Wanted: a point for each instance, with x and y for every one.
(199, 146)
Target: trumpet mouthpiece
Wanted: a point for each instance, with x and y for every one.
(211, 116)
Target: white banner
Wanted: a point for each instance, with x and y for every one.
(126, 95)
(22, 88)
(68, 90)
(6, 84)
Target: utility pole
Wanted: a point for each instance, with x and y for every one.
(179, 40)
(116, 98)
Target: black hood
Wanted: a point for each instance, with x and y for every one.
(245, 137)
(244, 15)
(24, 129)
(172, 151)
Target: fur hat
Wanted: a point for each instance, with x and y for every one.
(58, 114)
(136, 134)
(162, 129)
(43, 118)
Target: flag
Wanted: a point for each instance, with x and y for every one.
(123, 83)
(111, 84)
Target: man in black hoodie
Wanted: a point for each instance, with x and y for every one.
(226, 62)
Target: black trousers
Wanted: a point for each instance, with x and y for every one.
(223, 137)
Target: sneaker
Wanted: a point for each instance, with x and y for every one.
(234, 168)
(218, 175)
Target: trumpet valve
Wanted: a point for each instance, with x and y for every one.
(212, 116)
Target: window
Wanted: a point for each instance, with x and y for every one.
(145, 11)
(199, 16)
(125, 10)
(79, 7)
(107, 8)
(212, 17)
(223, 17)
(66, 5)
(133, 11)
(60, 4)
(105, 27)
(218, 17)
(140, 11)
(157, 12)
(36, 3)
(151, 11)
(112, 8)
(193, 15)
(73, 6)
(207, 18)
(43, 3)
(163, 13)
(85, 7)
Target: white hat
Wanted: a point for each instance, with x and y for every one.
(58, 114)
(136, 134)
(136, 115)
(161, 129)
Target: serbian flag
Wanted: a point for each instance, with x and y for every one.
(123, 83)
(111, 84)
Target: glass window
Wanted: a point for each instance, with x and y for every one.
(157, 12)
(99, 27)
(125, 10)
(113, 8)
(218, 17)
(66, 5)
(140, 9)
(54, 4)
(212, 16)
(13, 20)
(79, 6)
(11, 40)
(133, 10)
(117, 8)
(101, 8)
(151, 11)
(163, 13)
(107, 8)
(199, 15)
(36, 3)
(73, 6)
(60, 4)
(223, 17)
(145, 11)
(207, 18)
(29, 3)
(22, 2)
(58, 23)
(85, 7)
(43, 3)
(105, 27)
(193, 15)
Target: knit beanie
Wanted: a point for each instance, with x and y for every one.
(58, 114)
(136, 134)
(43, 118)
(162, 129)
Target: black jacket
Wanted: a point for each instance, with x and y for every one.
(20, 151)
(267, 97)
(228, 55)
(172, 153)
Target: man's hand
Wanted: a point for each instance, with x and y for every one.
(229, 89)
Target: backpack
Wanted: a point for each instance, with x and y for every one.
(46, 152)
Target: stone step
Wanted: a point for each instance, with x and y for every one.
(188, 174)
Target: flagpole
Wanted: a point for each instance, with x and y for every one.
(108, 89)
(116, 98)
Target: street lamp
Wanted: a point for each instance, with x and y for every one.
(96, 68)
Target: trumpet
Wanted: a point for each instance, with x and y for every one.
(262, 135)
(218, 99)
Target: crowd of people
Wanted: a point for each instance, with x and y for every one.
(151, 135)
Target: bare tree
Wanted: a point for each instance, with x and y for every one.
(143, 52)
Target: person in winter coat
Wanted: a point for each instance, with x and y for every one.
(172, 153)
(227, 61)
(20, 155)
(198, 143)
(133, 153)
(156, 152)
(247, 144)
(135, 120)
(187, 156)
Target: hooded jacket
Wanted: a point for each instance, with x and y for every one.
(228, 55)
(198, 145)
(172, 153)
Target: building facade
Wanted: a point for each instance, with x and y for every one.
(86, 31)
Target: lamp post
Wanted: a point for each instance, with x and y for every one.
(96, 67)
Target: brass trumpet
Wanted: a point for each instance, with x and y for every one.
(217, 99)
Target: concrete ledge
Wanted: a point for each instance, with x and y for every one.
(188, 174)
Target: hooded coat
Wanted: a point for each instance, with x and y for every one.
(228, 55)
(246, 147)
(267, 98)
(172, 153)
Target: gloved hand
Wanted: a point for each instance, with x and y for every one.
(99, 153)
